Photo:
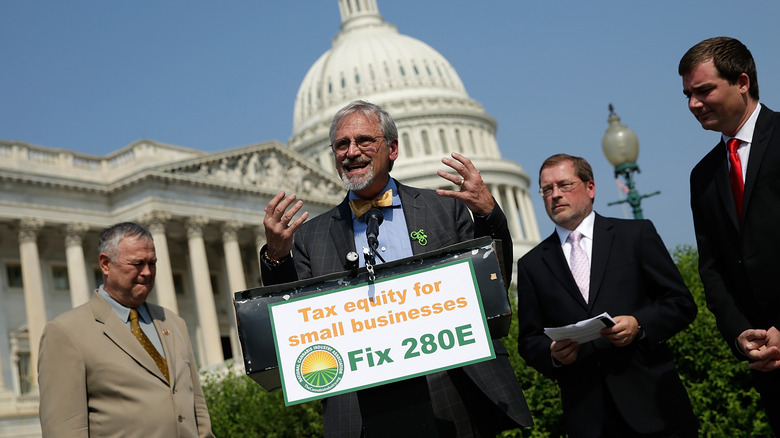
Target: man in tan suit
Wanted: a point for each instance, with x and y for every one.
(96, 377)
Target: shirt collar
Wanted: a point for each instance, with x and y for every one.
(745, 133)
(122, 311)
(390, 185)
(585, 227)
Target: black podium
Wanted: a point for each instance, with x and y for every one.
(400, 408)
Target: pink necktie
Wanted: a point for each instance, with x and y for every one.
(579, 264)
(735, 175)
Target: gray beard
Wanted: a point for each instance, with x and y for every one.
(353, 186)
(356, 186)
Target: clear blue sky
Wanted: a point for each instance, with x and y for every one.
(94, 76)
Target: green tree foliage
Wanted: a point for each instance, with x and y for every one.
(240, 408)
(541, 393)
(717, 383)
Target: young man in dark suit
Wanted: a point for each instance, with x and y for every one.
(476, 400)
(735, 199)
(623, 383)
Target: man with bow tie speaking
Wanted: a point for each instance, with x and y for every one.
(481, 399)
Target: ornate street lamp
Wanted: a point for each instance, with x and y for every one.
(621, 147)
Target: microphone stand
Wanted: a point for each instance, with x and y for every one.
(400, 408)
(374, 219)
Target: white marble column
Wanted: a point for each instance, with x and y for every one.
(259, 242)
(34, 303)
(526, 207)
(524, 213)
(496, 195)
(5, 356)
(164, 290)
(204, 294)
(201, 353)
(236, 276)
(512, 211)
(78, 278)
(16, 384)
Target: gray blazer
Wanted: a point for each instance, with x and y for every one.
(320, 247)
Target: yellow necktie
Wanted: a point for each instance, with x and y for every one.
(147, 344)
(359, 207)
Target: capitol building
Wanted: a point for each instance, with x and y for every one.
(205, 210)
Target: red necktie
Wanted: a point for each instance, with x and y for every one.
(735, 175)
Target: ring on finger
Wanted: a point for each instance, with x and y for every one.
(460, 183)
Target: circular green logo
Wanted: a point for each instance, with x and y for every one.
(319, 368)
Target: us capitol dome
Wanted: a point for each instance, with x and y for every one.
(371, 60)
(204, 209)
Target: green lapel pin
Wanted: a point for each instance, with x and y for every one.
(420, 237)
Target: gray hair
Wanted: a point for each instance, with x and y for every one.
(367, 109)
(111, 236)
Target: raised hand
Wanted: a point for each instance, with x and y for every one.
(279, 230)
(473, 191)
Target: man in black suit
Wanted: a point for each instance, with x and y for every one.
(476, 400)
(623, 383)
(735, 199)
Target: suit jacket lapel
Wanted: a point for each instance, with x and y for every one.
(165, 332)
(341, 233)
(414, 214)
(758, 148)
(723, 185)
(552, 255)
(116, 330)
(603, 237)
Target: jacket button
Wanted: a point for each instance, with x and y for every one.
(181, 418)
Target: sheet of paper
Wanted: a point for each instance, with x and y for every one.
(582, 331)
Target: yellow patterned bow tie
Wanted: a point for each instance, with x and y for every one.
(359, 207)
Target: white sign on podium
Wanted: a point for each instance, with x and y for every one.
(377, 333)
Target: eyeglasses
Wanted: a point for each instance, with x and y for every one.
(565, 187)
(364, 142)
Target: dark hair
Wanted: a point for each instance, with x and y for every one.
(581, 167)
(110, 237)
(731, 59)
(368, 109)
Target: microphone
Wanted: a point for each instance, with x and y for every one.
(374, 218)
(352, 261)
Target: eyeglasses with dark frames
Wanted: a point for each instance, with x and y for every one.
(565, 187)
(365, 143)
